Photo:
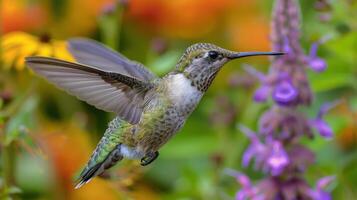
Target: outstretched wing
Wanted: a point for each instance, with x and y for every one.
(105, 89)
(92, 53)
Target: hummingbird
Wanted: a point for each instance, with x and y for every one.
(149, 109)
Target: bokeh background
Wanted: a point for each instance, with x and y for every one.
(47, 135)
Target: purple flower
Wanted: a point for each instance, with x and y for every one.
(322, 128)
(284, 92)
(256, 148)
(319, 192)
(321, 125)
(108, 9)
(301, 157)
(278, 158)
(287, 48)
(248, 191)
(269, 157)
(317, 64)
(324, 182)
(314, 62)
(321, 195)
(262, 93)
(159, 45)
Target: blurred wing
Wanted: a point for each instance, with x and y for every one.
(90, 52)
(106, 90)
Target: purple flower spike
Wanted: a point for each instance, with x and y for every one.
(278, 158)
(275, 148)
(284, 93)
(262, 94)
(323, 128)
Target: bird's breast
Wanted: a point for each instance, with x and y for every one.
(182, 93)
(165, 113)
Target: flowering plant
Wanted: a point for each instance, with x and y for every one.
(275, 147)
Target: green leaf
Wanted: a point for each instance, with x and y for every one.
(21, 121)
(329, 81)
(165, 62)
(33, 174)
(343, 52)
(14, 190)
(353, 103)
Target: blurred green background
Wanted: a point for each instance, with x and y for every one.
(47, 135)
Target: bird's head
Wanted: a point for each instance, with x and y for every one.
(202, 61)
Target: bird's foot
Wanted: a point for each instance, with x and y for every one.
(149, 158)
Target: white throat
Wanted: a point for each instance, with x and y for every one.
(181, 91)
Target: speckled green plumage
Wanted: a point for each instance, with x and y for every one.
(109, 141)
(149, 133)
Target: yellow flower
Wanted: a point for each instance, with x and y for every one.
(16, 46)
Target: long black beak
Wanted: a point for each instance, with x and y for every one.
(246, 54)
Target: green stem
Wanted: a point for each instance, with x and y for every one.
(16, 104)
(110, 27)
(8, 154)
(8, 166)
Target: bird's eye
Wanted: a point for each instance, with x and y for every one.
(213, 54)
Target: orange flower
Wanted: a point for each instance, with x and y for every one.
(79, 17)
(20, 15)
(18, 45)
(178, 18)
(347, 138)
(248, 29)
(66, 152)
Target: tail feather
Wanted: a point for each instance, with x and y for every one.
(87, 176)
(88, 173)
(106, 154)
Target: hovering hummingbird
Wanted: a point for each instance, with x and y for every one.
(149, 109)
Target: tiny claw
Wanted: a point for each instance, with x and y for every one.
(149, 158)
